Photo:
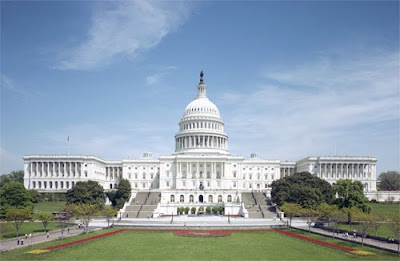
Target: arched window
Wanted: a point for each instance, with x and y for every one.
(191, 198)
(229, 198)
(61, 184)
(219, 198)
(40, 184)
(182, 199)
(44, 184)
(72, 184)
(51, 184)
(56, 184)
(172, 198)
(210, 199)
(34, 184)
(110, 186)
(67, 184)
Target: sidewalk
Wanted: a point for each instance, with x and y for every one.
(38, 238)
(392, 247)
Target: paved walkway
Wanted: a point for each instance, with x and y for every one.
(216, 222)
(38, 238)
(367, 241)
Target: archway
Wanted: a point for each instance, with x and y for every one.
(201, 198)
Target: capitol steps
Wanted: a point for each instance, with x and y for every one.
(256, 205)
(143, 205)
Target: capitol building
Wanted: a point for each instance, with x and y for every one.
(201, 171)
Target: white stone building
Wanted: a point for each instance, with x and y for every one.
(201, 171)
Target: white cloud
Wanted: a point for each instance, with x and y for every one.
(7, 83)
(125, 28)
(159, 75)
(111, 141)
(306, 110)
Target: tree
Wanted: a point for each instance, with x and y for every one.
(14, 176)
(304, 189)
(121, 195)
(335, 217)
(389, 181)
(311, 215)
(67, 212)
(45, 218)
(325, 211)
(17, 216)
(291, 210)
(394, 226)
(350, 194)
(365, 222)
(34, 194)
(84, 212)
(86, 192)
(109, 212)
(350, 212)
(14, 194)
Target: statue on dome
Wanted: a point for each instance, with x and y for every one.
(201, 76)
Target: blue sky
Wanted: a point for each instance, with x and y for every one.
(291, 79)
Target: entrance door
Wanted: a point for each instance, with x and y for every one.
(201, 198)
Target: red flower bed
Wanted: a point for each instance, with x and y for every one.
(84, 240)
(316, 241)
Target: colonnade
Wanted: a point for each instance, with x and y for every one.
(113, 172)
(345, 170)
(46, 169)
(201, 141)
(186, 170)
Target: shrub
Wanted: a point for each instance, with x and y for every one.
(208, 210)
(215, 210)
(193, 210)
(186, 210)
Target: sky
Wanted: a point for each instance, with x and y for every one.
(291, 78)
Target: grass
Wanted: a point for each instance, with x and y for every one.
(48, 207)
(166, 246)
(7, 230)
(385, 210)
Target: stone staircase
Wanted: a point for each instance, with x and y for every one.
(143, 205)
(257, 205)
(251, 205)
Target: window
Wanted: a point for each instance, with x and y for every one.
(219, 198)
(167, 183)
(191, 198)
(182, 199)
(272, 176)
(234, 174)
(172, 198)
(184, 183)
(210, 199)
(229, 198)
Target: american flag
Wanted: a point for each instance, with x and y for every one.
(68, 138)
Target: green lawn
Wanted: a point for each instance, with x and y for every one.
(48, 207)
(166, 246)
(385, 210)
(7, 230)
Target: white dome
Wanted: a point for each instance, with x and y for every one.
(201, 106)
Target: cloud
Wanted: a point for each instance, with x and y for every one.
(159, 75)
(124, 29)
(306, 110)
(113, 141)
(7, 83)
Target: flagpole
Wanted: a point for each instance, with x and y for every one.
(68, 144)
